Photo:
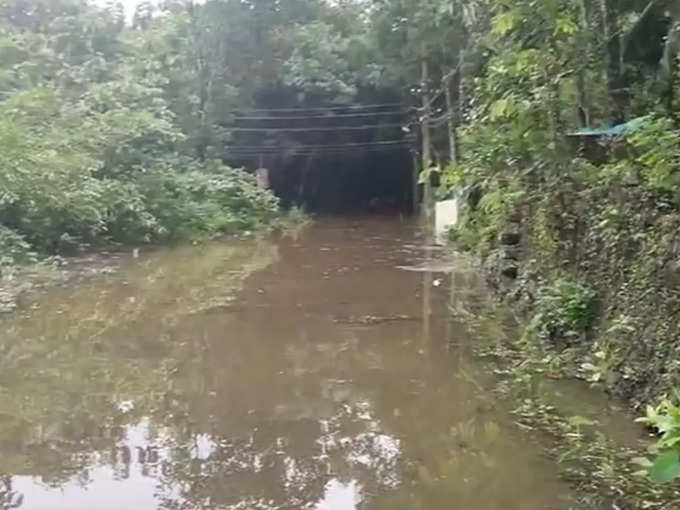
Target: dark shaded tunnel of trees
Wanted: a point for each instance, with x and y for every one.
(329, 158)
(353, 182)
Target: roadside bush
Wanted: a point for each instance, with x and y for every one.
(127, 215)
(14, 250)
(665, 419)
(565, 311)
(195, 203)
(74, 177)
(657, 148)
(51, 226)
(465, 235)
(648, 157)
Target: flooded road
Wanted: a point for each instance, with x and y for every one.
(323, 372)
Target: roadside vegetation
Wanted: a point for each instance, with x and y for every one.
(554, 121)
(100, 129)
(568, 168)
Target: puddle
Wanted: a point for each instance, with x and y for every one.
(263, 375)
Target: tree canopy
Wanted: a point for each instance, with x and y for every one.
(121, 131)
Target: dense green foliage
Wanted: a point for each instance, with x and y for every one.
(599, 210)
(97, 145)
(15, 249)
(116, 131)
(666, 419)
(564, 311)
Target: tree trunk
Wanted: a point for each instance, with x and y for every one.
(203, 84)
(669, 61)
(583, 106)
(451, 121)
(415, 189)
(462, 87)
(612, 57)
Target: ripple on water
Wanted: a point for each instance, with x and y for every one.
(218, 377)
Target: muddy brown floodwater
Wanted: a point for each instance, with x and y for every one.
(323, 372)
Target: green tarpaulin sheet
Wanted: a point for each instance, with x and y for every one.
(615, 131)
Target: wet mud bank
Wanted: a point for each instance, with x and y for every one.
(25, 284)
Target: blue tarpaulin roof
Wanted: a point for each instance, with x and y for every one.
(615, 131)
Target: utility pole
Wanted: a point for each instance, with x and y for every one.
(415, 188)
(427, 196)
(427, 143)
(451, 119)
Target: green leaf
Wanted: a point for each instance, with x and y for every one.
(666, 468)
(669, 442)
(565, 26)
(505, 22)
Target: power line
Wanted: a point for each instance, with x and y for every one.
(438, 121)
(315, 153)
(321, 108)
(325, 128)
(324, 117)
(326, 146)
(319, 149)
(335, 152)
(312, 153)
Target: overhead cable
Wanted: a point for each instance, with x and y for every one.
(438, 121)
(323, 108)
(441, 90)
(325, 146)
(310, 149)
(324, 117)
(323, 128)
(314, 153)
(314, 150)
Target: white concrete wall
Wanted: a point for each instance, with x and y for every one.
(445, 217)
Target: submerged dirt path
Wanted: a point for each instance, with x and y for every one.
(320, 372)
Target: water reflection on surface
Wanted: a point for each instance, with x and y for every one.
(319, 373)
